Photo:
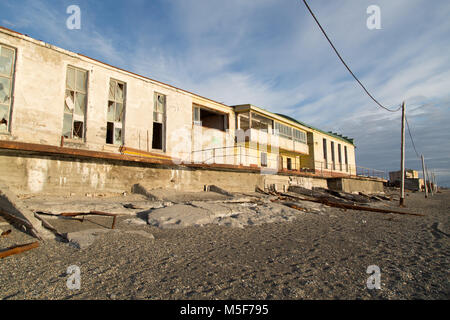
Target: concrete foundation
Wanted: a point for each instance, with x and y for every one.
(37, 173)
(355, 185)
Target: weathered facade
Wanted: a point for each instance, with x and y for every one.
(53, 100)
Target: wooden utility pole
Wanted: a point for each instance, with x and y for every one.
(424, 177)
(435, 183)
(429, 180)
(402, 162)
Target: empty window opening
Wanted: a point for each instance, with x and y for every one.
(289, 163)
(333, 160)
(157, 136)
(340, 156)
(75, 102)
(109, 133)
(7, 63)
(210, 119)
(115, 114)
(263, 159)
(325, 154)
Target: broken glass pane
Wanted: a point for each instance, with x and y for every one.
(112, 89)
(5, 87)
(81, 80)
(119, 112)
(69, 102)
(118, 136)
(80, 104)
(4, 117)
(160, 103)
(6, 61)
(67, 125)
(110, 114)
(78, 129)
(71, 78)
(119, 92)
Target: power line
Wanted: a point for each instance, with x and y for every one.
(412, 140)
(342, 60)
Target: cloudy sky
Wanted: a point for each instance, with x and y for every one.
(271, 53)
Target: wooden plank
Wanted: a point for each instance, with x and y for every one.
(18, 249)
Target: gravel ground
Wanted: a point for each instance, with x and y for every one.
(322, 255)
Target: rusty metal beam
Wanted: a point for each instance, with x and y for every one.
(18, 249)
(99, 213)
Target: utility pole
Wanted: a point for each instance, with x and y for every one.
(402, 162)
(434, 182)
(431, 183)
(424, 177)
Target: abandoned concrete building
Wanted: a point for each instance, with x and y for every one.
(69, 122)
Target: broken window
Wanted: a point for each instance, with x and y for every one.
(260, 123)
(115, 114)
(7, 62)
(196, 119)
(159, 118)
(75, 103)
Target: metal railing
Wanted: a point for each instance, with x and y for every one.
(247, 156)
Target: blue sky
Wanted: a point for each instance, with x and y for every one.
(270, 53)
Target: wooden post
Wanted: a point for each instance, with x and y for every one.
(431, 183)
(402, 161)
(424, 177)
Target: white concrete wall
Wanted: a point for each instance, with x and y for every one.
(39, 92)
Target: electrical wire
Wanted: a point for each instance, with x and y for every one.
(342, 60)
(412, 140)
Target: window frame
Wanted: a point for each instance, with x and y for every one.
(163, 119)
(116, 124)
(11, 79)
(264, 163)
(76, 117)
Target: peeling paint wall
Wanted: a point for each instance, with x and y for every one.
(39, 95)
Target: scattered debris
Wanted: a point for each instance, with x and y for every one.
(75, 214)
(325, 201)
(216, 189)
(18, 249)
(12, 208)
(131, 206)
(5, 233)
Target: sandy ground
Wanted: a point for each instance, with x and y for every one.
(322, 254)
